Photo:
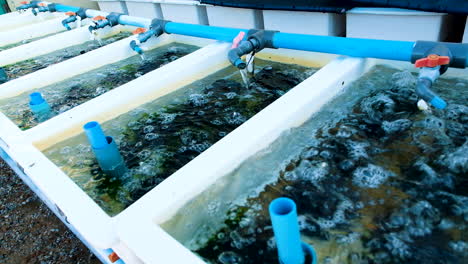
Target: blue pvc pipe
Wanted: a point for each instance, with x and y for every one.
(106, 151)
(202, 31)
(95, 135)
(286, 228)
(66, 8)
(370, 48)
(39, 107)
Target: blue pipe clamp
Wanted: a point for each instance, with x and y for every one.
(105, 150)
(291, 250)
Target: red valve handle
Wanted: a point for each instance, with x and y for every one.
(432, 60)
(237, 40)
(70, 13)
(24, 2)
(113, 257)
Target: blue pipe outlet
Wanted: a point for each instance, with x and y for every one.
(39, 107)
(105, 150)
(283, 216)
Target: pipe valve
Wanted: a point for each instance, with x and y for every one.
(74, 17)
(111, 20)
(156, 29)
(255, 42)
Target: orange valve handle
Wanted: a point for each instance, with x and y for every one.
(42, 4)
(139, 31)
(113, 257)
(432, 60)
(97, 18)
(70, 13)
(25, 2)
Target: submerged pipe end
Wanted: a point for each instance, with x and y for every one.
(282, 206)
(36, 98)
(95, 135)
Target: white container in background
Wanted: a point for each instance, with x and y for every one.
(301, 22)
(184, 11)
(144, 8)
(396, 24)
(113, 6)
(234, 17)
(465, 35)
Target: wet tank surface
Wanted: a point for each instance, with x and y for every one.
(26, 41)
(22, 68)
(375, 181)
(160, 137)
(77, 90)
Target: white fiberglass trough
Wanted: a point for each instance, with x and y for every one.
(212, 184)
(56, 42)
(72, 204)
(32, 31)
(17, 19)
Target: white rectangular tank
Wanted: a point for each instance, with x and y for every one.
(118, 6)
(396, 24)
(146, 9)
(184, 11)
(234, 17)
(314, 23)
(465, 35)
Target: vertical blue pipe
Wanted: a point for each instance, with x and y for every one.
(39, 107)
(286, 228)
(105, 150)
(370, 48)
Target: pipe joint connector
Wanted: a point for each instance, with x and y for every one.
(32, 4)
(457, 53)
(47, 8)
(255, 42)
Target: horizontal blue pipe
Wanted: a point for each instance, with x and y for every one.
(283, 216)
(370, 48)
(66, 8)
(202, 31)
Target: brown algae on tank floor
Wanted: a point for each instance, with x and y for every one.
(77, 90)
(375, 181)
(160, 137)
(22, 68)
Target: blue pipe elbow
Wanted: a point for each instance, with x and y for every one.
(105, 150)
(423, 90)
(283, 216)
(39, 107)
(68, 20)
(135, 47)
